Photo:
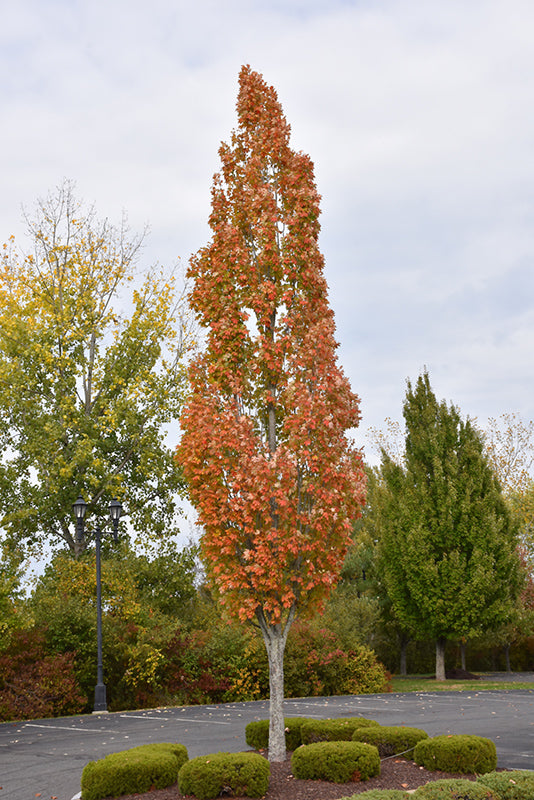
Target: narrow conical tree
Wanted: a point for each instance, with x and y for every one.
(448, 543)
(276, 483)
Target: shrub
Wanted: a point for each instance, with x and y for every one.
(316, 664)
(390, 740)
(461, 753)
(248, 674)
(234, 773)
(131, 771)
(333, 730)
(34, 684)
(338, 762)
(454, 789)
(257, 732)
(517, 784)
(381, 794)
(190, 675)
(238, 654)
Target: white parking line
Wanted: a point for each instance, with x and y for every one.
(69, 728)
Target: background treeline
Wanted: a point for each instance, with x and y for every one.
(164, 642)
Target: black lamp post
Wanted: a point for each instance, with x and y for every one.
(115, 510)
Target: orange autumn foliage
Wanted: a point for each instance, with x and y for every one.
(275, 480)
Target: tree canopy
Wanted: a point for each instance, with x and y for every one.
(509, 442)
(276, 483)
(89, 375)
(448, 542)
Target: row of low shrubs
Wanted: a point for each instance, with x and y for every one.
(456, 789)
(138, 769)
(463, 754)
(156, 766)
(512, 785)
(388, 740)
(317, 755)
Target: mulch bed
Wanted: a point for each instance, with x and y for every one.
(395, 773)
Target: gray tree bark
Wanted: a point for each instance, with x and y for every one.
(440, 659)
(404, 640)
(275, 637)
(507, 657)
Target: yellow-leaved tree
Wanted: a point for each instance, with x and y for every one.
(509, 443)
(91, 354)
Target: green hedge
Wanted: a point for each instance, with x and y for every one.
(338, 762)
(517, 784)
(133, 771)
(236, 773)
(333, 730)
(390, 739)
(453, 789)
(257, 732)
(381, 794)
(462, 753)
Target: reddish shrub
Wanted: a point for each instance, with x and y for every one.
(36, 685)
(190, 673)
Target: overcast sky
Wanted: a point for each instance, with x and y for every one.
(418, 116)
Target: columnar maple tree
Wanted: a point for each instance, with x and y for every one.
(275, 480)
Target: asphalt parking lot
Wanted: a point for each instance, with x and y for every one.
(45, 758)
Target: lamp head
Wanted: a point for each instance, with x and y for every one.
(115, 511)
(79, 508)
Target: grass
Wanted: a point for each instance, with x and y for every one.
(426, 683)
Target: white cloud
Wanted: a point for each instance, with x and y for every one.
(418, 116)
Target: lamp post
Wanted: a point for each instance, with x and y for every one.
(115, 510)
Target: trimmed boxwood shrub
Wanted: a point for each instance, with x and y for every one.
(338, 762)
(333, 730)
(390, 739)
(461, 753)
(453, 789)
(236, 773)
(257, 732)
(131, 771)
(381, 794)
(517, 784)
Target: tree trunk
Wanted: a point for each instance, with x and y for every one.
(462, 655)
(403, 653)
(507, 657)
(275, 637)
(440, 658)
